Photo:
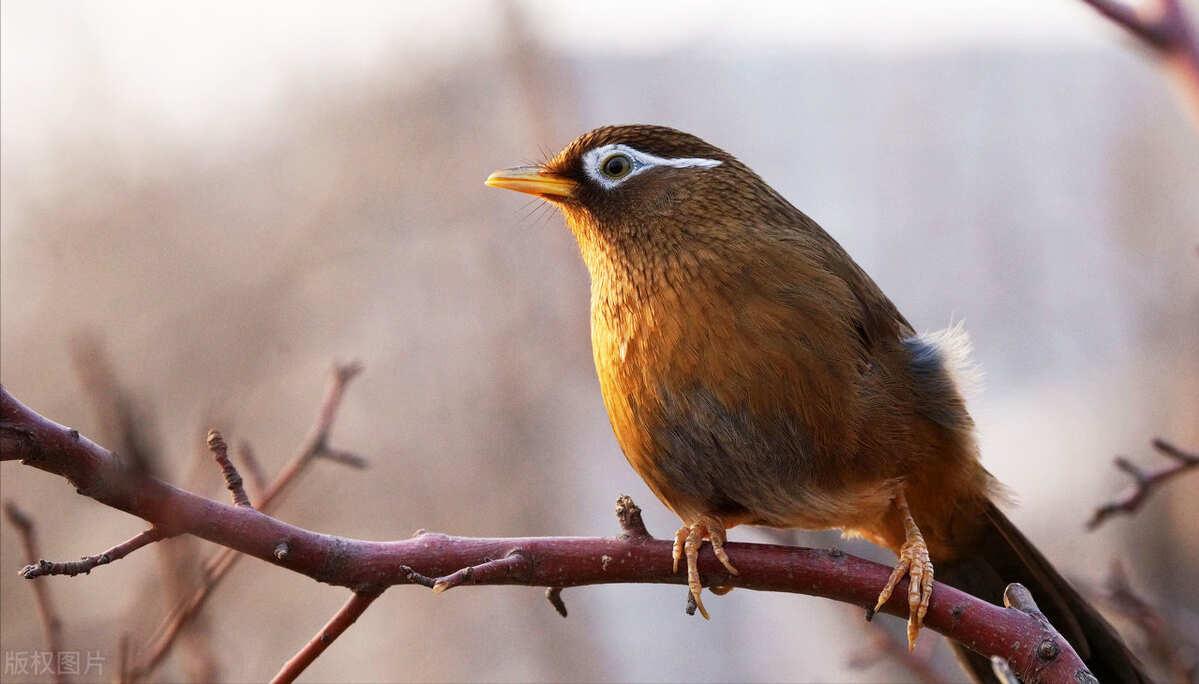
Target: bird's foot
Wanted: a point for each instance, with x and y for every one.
(687, 542)
(914, 562)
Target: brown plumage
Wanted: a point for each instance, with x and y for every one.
(754, 374)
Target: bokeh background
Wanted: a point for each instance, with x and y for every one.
(205, 204)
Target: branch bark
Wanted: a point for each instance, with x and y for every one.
(348, 615)
(315, 446)
(1035, 653)
(1165, 27)
(1144, 482)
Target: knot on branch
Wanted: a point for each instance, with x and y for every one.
(629, 516)
(1051, 644)
(233, 480)
(554, 595)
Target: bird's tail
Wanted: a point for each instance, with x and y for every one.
(1002, 556)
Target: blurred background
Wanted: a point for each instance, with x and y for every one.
(205, 204)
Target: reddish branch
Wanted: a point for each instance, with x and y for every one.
(1167, 30)
(153, 655)
(41, 568)
(179, 565)
(554, 595)
(119, 415)
(233, 481)
(1144, 482)
(348, 615)
(1035, 651)
(315, 446)
(316, 443)
(515, 564)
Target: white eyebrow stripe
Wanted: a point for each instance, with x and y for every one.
(653, 160)
(592, 160)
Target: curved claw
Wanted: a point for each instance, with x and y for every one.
(913, 561)
(687, 542)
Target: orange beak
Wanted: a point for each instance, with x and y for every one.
(532, 180)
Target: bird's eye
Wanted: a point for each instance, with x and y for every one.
(616, 166)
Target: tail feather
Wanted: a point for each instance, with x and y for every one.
(1002, 556)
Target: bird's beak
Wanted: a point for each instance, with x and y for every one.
(533, 180)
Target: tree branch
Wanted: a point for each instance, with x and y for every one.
(42, 568)
(1144, 482)
(233, 481)
(1165, 28)
(346, 616)
(1035, 652)
(314, 446)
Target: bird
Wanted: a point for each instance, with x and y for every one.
(754, 374)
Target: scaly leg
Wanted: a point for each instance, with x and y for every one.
(913, 561)
(687, 542)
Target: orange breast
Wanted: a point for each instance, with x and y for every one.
(731, 396)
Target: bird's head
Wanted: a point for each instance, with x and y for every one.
(640, 198)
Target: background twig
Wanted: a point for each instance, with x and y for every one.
(1144, 482)
(315, 445)
(1166, 28)
(1169, 643)
(51, 622)
(43, 568)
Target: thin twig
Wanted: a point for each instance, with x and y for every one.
(315, 445)
(121, 415)
(233, 481)
(629, 516)
(51, 622)
(413, 577)
(515, 564)
(179, 567)
(86, 564)
(164, 637)
(345, 458)
(346, 616)
(257, 482)
(123, 674)
(554, 595)
(1144, 482)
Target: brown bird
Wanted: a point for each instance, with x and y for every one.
(754, 374)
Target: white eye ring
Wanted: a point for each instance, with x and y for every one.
(595, 161)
